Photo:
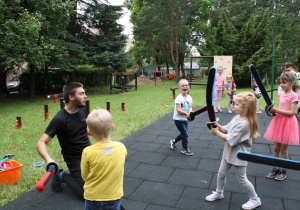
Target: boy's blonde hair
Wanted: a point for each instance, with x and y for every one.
(99, 122)
(182, 80)
(248, 102)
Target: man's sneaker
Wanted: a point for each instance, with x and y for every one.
(186, 151)
(252, 203)
(56, 183)
(273, 173)
(173, 146)
(214, 196)
(281, 175)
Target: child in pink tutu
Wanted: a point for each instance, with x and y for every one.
(219, 89)
(283, 129)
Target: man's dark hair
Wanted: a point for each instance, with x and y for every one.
(70, 89)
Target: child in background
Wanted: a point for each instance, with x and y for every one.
(219, 89)
(255, 89)
(298, 105)
(238, 134)
(183, 106)
(283, 130)
(102, 164)
(228, 87)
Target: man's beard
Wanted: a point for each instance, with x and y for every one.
(79, 104)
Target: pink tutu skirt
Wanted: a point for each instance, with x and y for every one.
(283, 129)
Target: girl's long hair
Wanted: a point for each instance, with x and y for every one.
(248, 102)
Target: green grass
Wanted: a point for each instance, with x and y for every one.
(143, 107)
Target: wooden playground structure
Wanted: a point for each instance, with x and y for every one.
(121, 77)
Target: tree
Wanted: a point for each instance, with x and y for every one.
(104, 42)
(164, 28)
(29, 32)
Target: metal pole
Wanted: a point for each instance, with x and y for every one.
(273, 70)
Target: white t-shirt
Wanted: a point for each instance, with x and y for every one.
(185, 106)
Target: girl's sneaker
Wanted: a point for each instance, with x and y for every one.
(229, 111)
(273, 173)
(281, 175)
(216, 110)
(252, 203)
(214, 196)
(220, 110)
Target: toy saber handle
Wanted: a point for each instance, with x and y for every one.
(198, 111)
(262, 90)
(52, 169)
(268, 160)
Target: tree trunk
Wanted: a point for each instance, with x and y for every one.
(167, 65)
(32, 81)
(3, 89)
(174, 59)
(181, 64)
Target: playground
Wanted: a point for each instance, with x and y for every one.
(153, 173)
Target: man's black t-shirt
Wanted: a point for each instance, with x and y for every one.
(71, 133)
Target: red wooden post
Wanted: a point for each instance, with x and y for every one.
(108, 106)
(87, 107)
(123, 107)
(174, 94)
(62, 103)
(19, 122)
(55, 98)
(46, 112)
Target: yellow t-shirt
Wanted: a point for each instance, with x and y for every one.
(102, 169)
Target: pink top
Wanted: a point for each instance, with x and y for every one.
(286, 101)
(220, 82)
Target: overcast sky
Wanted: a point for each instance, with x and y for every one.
(125, 18)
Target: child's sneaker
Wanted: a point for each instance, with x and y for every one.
(281, 175)
(214, 196)
(273, 173)
(57, 185)
(258, 112)
(220, 110)
(229, 111)
(252, 203)
(173, 146)
(216, 110)
(186, 152)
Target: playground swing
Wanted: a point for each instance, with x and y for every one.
(121, 77)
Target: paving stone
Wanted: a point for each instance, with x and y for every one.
(148, 157)
(158, 193)
(145, 146)
(133, 205)
(130, 185)
(194, 198)
(152, 172)
(181, 161)
(191, 178)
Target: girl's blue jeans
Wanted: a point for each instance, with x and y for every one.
(103, 205)
(183, 127)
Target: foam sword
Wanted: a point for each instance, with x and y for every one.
(269, 103)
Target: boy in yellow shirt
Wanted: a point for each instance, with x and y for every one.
(102, 164)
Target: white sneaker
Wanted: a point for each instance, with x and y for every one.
(214, 196)
(172, 142)
(252, 203)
